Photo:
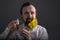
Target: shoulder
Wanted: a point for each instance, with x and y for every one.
(41, 27)
(42, 32)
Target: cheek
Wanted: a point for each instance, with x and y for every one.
(24, 17)
(34, 15)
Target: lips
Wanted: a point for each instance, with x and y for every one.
(28, 19)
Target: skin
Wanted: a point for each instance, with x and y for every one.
(28, 13)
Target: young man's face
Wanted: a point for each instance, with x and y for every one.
(28, 13)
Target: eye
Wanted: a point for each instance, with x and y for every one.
(32, 12)
(26, 12)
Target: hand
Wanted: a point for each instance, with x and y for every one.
(12, 25)
(26, 34)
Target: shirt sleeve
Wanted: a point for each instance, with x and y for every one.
(4, 34)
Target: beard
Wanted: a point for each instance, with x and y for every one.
(28, 20)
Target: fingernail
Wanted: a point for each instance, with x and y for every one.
(17, 21)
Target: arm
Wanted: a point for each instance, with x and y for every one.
(4, 34)
(44, 35)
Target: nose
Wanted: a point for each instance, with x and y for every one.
(29, 15)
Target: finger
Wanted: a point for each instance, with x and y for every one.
(17, 21)
(25, 31)
(12, 22)
(25, 35)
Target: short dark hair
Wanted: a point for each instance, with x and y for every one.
(26, 4)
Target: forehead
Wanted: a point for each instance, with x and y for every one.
(29, 8)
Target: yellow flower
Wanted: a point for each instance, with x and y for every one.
(33, 24)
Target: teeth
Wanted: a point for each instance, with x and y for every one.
(17, 21)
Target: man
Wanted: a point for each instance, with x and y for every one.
(25, 31)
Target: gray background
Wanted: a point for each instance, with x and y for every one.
(48, 14)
